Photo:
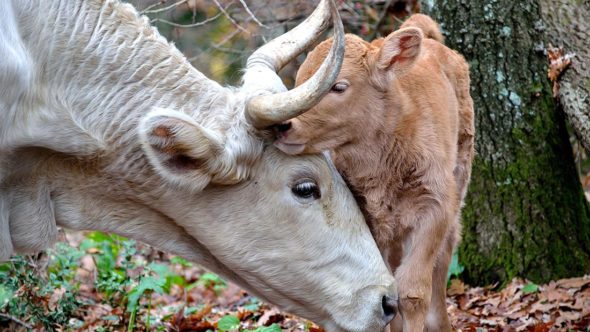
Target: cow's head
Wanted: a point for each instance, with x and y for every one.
(204, 181)
(355, 101)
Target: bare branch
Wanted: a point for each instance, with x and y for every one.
(226, 39)
(161, 2)
(380, 19)
(229, 17)
(16, 320)
(228, 50)
(174, 5)
(251, 14)
(192, 25)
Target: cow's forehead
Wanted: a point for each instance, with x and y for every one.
(355, 55)
(319, 165)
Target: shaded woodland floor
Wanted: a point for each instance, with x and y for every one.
(190, 299)
(562, 305)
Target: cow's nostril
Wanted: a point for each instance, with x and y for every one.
(389, 305)
(283, 127)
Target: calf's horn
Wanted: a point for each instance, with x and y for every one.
(266, 110)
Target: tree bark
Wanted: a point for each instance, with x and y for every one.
(525, 212)
(568, 25)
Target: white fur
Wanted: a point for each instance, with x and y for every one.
(78, 79)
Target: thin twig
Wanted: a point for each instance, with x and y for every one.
(16, 320)
(213, 18)
(380, 19)
(229, 17)
(154, 5)
(345, 6)
(252, 14)
(226, 38)
(228, 50)
(174, 5)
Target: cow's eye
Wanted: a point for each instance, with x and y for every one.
(306, 189)
(339, 87)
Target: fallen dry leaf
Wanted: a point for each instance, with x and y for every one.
(562, 305)
(559, 61)
(456, 288)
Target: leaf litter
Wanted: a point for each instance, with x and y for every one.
(192, 299)
(562, 305)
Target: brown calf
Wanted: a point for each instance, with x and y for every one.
(399, 123)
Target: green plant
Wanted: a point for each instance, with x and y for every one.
(170, 278)
(147, 284)
(271, 328)
(46, 296)
(211, 281)
(530, 288)
(112, 279)
(252, 305)
(228, 323)
(6, 295)
(41, 297)
(455, 268)
(115, 259)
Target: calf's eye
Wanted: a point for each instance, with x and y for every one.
(306, 189)
(339, 87)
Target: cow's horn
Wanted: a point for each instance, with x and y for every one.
(266, 110)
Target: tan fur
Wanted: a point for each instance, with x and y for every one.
(402, 134)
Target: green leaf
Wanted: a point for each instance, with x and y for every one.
(210, 277)
(530, 288)
(211, 280)
(191, 310)
(253, 305)
(5, 295)
(160, 269)
(112, 318)
(271, 328)
(181, 261)
(99, 237)
(5, 268)
(147, 283)
(163, 271)
(455, 269)
(228, 323)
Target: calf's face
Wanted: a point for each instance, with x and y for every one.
(355, 102)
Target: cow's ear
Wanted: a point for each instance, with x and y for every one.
(399, 50)
(179, 148)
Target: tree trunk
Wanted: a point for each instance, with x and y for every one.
(525, 212)
(568, 25)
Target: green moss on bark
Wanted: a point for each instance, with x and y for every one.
(525, 213)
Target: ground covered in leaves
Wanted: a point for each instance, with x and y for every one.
(98, 282)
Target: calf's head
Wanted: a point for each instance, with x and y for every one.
(355, 102)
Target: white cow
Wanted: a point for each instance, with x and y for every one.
(105, 126)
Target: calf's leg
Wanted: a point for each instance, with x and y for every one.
(422, 245)
(437, 318)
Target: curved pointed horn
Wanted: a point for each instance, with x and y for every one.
(266, 110)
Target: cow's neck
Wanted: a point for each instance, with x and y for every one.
(95, 71)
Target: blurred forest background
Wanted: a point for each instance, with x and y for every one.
(526, 215)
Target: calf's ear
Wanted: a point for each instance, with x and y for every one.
(399, 51)
(179, 149)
